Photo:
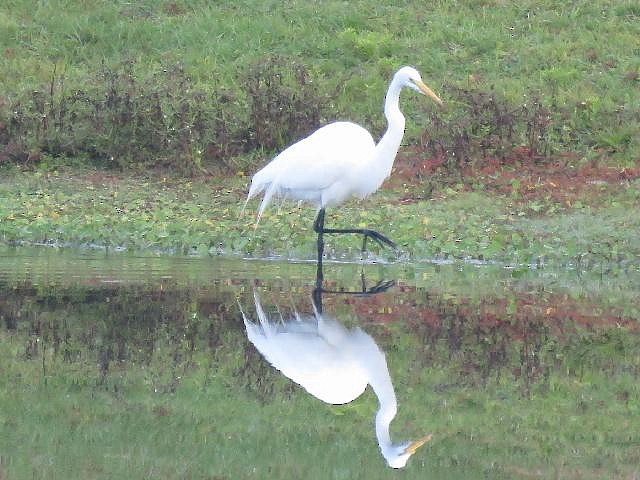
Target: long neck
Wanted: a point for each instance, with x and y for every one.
(380, 381)
(386, 413)
(388, 146)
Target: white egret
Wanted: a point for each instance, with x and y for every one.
(333, 364)
(338, 161)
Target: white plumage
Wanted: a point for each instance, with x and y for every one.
(333, 364)
(323, 169)
(339, 160)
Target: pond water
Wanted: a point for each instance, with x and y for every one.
(114, 366)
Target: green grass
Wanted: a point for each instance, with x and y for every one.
(203, 218)
(526, 46)
(580, 59)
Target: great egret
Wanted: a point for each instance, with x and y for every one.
(338, 161)
(333, 364)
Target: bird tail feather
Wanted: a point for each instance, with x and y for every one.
(244, 206)
(254, 190)
(244, 317)
(264, 320)
(266, 200)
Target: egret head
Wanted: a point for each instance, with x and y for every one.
(410, 77)
(398, 455)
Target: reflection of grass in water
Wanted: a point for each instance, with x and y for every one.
(74, 428)
(574, 427)
(188, 399)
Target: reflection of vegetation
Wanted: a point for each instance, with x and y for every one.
(520, 336)
(110, 378)
(483, 344)
(165, 329)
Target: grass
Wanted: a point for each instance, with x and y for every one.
(169, 215)
(209, 92)
(69, 429)
(95, 383)
(550, 51)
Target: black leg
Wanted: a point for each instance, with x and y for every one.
(372, 234)
(317, 291)
(318, 227)
(381, 286)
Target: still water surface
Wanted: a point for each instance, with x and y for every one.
(514, 372)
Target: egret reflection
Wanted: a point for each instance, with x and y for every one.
(332, 363)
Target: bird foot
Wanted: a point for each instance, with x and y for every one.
(376, 237)
(381, 286)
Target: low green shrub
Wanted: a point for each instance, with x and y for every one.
(124, 120)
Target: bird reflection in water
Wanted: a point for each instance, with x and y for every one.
(332, 363)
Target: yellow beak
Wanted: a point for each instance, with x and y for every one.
(427, 91)
(411, 449)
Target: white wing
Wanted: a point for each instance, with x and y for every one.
(326, 371)
(313, 164)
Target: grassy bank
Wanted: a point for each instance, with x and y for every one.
(193, 85)
(535, 158)
(595, 226)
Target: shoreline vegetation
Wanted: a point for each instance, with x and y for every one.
(137, 127)
(159, 215)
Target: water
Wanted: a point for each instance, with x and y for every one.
(515, 372)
